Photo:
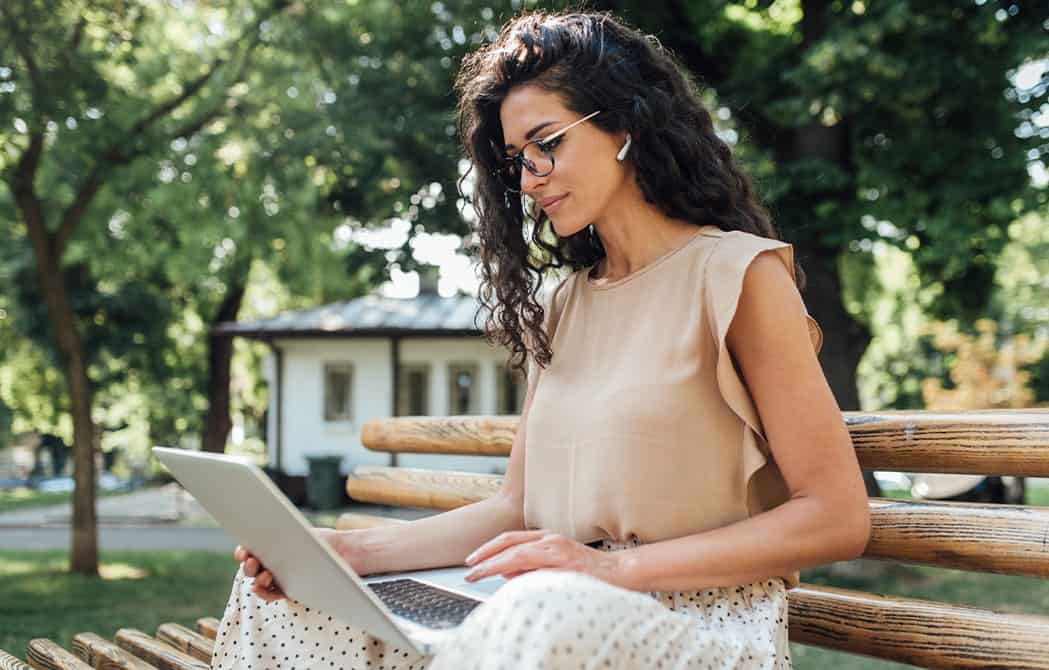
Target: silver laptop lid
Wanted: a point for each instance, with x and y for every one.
(251, 508)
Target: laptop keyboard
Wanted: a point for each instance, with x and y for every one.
(424, 604)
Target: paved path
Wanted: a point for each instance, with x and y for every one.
(123, 537)
(160, 517)
(168, 503)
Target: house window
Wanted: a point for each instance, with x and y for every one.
(462, 388)
(338, 391)
(413, 390)
(510, 391)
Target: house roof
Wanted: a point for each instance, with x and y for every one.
(427, 315)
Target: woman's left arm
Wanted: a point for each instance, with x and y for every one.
(827, 517)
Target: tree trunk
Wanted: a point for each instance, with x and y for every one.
(841, 353)
(84, 557)
(217, 423)
(84, 552)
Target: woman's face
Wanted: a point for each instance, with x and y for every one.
(586, 173)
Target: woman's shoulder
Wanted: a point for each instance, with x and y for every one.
(739, 237)
(730, 247)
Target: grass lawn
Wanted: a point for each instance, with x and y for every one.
(138, 590)
(25, 498)
(1037, 495)
(144, 589)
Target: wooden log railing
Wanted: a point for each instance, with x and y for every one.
(990, 442)
(1003, 539)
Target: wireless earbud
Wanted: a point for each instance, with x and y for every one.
(626, 147)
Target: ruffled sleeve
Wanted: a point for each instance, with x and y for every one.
(723, 281)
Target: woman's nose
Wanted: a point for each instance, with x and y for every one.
(529, 182)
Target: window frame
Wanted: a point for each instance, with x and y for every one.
(475, 399)
(327, 368)
(402, 388)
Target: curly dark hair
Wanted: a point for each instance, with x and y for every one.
(591, 60)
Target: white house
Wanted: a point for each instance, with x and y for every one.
(334, 367)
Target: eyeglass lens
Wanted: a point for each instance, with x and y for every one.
(538, 162)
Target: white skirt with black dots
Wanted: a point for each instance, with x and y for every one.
(546, 619)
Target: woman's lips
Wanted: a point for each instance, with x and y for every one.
(555, 204)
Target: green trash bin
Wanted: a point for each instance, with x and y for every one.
(324, 483)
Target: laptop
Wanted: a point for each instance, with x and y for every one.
(409, 609)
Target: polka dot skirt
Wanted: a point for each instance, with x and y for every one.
(547, 619)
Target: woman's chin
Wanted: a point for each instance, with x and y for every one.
(563, 228)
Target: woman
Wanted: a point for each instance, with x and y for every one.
(663, 489)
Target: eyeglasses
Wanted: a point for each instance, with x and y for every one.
(537, 156)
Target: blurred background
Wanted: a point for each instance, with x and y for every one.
(237, 226)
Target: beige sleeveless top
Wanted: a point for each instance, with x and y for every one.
(641, 424)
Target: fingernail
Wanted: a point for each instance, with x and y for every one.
(470, 558)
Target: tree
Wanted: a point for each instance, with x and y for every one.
(133, 163)
(99, 67)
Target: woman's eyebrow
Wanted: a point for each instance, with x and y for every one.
(532, 132)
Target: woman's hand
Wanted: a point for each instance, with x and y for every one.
(266, 587)
(517, 552)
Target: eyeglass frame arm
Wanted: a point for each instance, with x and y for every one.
(517, 157)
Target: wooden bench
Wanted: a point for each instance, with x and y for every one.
(1003, 539)
(174, 647)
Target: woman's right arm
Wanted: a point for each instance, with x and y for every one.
(436, 541)
(445, 539)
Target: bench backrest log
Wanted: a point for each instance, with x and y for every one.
(1003, 539)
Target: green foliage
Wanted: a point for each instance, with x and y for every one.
(302, 125)
(888, 293)
(6, 423)
(872, 126)
(898, 122)
(223, 135)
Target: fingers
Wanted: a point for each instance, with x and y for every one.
(269, 594)
(514, 561)
(502, 542)
(251, 566)
(266, 588)
(265, 580)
